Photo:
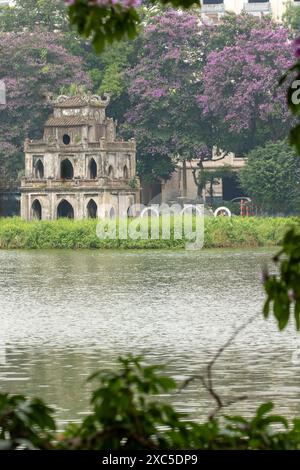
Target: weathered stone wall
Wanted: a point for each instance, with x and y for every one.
(76, 165)
(108, 204)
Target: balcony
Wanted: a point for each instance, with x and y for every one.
(257, 7)
(215, 7)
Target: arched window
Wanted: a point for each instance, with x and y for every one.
(92, 209)
(66, 170)
(36, 210)
(125, 173)
(110, 171)
(92, 169)
(65, 210)
(39, 170)
(112, 213)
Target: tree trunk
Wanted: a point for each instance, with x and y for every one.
(184, 179)
(211, 193)
(196, 180)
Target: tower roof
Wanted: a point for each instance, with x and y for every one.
(81, 100)
(68, 121)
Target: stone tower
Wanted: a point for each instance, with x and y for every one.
(79, 165)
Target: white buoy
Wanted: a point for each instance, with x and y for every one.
(222, 209)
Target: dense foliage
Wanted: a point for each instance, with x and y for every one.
(25, 423)
(283, 290)
(161, 85)
(291, 17)
(272, 177)
(30, 15)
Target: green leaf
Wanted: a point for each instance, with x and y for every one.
(264, 409)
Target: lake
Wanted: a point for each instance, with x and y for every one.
(65, 314)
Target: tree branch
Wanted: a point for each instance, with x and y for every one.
(207, 378)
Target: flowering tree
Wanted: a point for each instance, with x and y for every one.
(230, 29)
(240, 90)
(31, 64)
(163, 115)
(105, 70)
(171, 78)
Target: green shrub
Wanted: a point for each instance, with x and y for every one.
(220, 232)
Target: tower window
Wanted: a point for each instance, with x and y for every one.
(66, 139)
(66, 170)
(92, 169)
(39, 169)
(110, 171)
(92, 209)
(36, 210)
(65, 210)
(125, 173)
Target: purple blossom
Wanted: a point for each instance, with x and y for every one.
(297, 47)
(241, 83)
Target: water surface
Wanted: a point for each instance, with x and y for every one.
(66, 313)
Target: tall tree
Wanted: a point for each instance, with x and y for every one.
(164, 116)
(230, 29)
(106, 71)
(240, 92)
(31, 64)
(272, 177)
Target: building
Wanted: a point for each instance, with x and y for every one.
(213, 9)
(79, 165)
(182, 186)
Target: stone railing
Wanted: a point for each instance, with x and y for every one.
(260, 7)
(117, 145)
(59, 184)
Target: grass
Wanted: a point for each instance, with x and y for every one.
(221, 232)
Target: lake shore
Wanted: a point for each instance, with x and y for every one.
(221, 232)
